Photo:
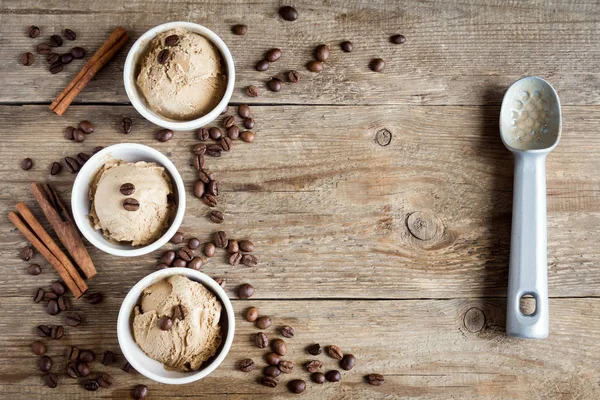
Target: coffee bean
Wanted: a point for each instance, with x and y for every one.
(26, 165)
(78, 135)
(251, 314)
(262, 65)
(213, 188)
(131, 204)
(78, 52)
(246, 246)
(206, 175)
(318, 377)
(249, 123)
(249, 260)
(108, 357)
(272, 370)
(235, 259)
(72, 164)
(87, 356)
(125, 125)
(199, 149)
(214, 150)
(68, 132)
(45, 364)
(215, 133)
(90, 385)
(274, 84)
(287, 331)
(248, 136)
(56, 67)
(57, 332)
(127, 367)
(69, 34)
(52, 58)
(164, 135)
(179, 263)
(333, 376)
(33, 31)
(52, 307)
(279, 346)
(263, 322)
(64, 303)
(260, 340)
(172, 40)
(55, 168)
(165, 323)
(246, 365)
(314, 349)
(315, 66)
(245, 291)
(71, 370)
(220, 239)
(209, 249)
(202, 134)
(196, 263)
(322, 52)
(347, 46)
(140, 392)
(199, 188)
(72, 353)
(252, 91)
(34, 269)
(286, 366)
(74, 319)
(377, 65)
(56, 41)
(66, 58)
(268, 381)
(161, 266)
(288, 13)
(178, 238)
(335, 352)
(397, 39)
(27, 59)
(51, 380)
(186, 254)
(39, 295)
(239, 29)
(167, 257)
(314, 366)
(58, 288)
(50, 296)
(375, 379)
(82, 158)
(194, 243)
(217, 217)
(272, 359)
(233, 246)
(296, 386)
(348, 362)
(229, 121)
(225, 143)
(127, 189)
(44, 48)
(233, 133)
(209, 200)
(293, 76)
(43, 330)
(244, 110)
(105, 380)
(273, 55)
(95, 298)
(163, 56)
(38, 348)
(86, 126)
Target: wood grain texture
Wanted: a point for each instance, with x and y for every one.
(456, 53)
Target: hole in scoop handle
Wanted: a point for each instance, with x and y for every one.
(528, 269)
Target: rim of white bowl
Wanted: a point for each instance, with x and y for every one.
(139, 103)
(81, 219)
(124, 332)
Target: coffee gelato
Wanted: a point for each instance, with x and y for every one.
(150, 188)
(184, 79)
(195, 334)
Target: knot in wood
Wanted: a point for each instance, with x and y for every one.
(423, 226)
(474, 320)
(383, 137)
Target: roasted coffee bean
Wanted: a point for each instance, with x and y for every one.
(260, 340)
(165, 323)
(314, 349)
(71, 163)
(263, 322)
(27, 59)
(273, 55)
(38, 348)
(34, 269)
(178, 238)
(55, 168)
(39, 295)
(68, 132)
(199, 149)
(140, 392)
(179, 263)
(296, 386)
(286, 366)
(249, 123)
(377, 65)
(52, 307)
(172, 40)
(125, 125)
(249, 260)
(272, 370)
(43, 330)
(108, 357)
(229, 122)
(82, 158)
(314, 366)
(248, 136)
(268, 381)
(69, 34)
(215, 133)
(194, 243)
(186, 254)
(375, 379)
(335, 352)
(288, 13)
(56, 67)
(74, 319)
(347, 46)
(245, 291)
(78, 135)
(56, 41)
(90, 385)
(272, 359)
(83, 369)
(246, 246)
(287, 331)
(167, 257)
(64, 303)
(279, 346)
(58, 288)
(214, 150)
(333, 376)
(233, 246)
(293, 76)
(202, 134)
(213, 188)
(72, 353)
(50, 296)
(252, 315)
(87, 356)
(164, 135)
(206, 175)
(45, 364)
(262, 65)
(86, 126)
(52, 58)
(163, 56)
(26, 165)
(105, 380)
(196, 263)
(235, 259)
(71, 370)
(318, 377)
(209, 249)
(274, 84)
(199, 162)
(322, 52)
(315, 66)
(127, 189)
(199, 188)
(244, 110)
(246, 365)
(44, 48)
(127, 367)
(51, 380)
(225, 143)
(348, 362)
(397, 39)
(252, 91)
(78, 53)
(57, 332)
(66, 58)
(239, 29)
(33, 31)
(217, 217)
(220, 239)
(131, 204)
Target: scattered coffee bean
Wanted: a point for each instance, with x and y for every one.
(377, 65)
(44, 48)
(95, 298)
(233, 246)
(217, 217)
(244, 110)
(215, 133)
(66, 58)
(56, 67)
(82, 158)
(209, 249)
(27, 59)
(286, 366)
(322, 52)
(73, 353)
(273, 55)
(186, 254)
(199, 188)
(58, 288)
(105, 380)
(314, 366)
(333, 376)
(128, 368)
(51, 380)
(45, 364)
(165, 323)
(220, 239)
(172, 40)
(127, 189)
(71, 163)
(260, 340)
(348, 362)
(293, 76)
(249, 123)
(214, 150)
(209, 200)
(39, 295)
(268, 381)
(38, 348)
(68, 132)
(78, 135)
(347, 46)
(69, 34)
(164, 135)
(199, 161)
(287, 331)
(178, 238)
(71, 370)
(194, 243)
(288, 13)
(315, 66)
(225, 143)
(235, 259)
(167, 257)
(296, 386)
(239, 29)
(318, 377)
(279, 346)
(34, 269)
(55, 168)
(56, 41)
(52, 307)
(202, 134)
(64, 303)
(179, 263)
(248, 136)
(314, 349)
(245, 291)
(108, 357)
(272, 359)
(246, 246)
(90, 385)
(262, 65)
(74, 319)
(213, 188)
(33, 31)
(199, 149)
(252, 91)
(252, 315)
(274, 84)
(272, 370)
(397, 39)
(196, 263)
(26, 165)
(126, 124)
(43, 330)
(140, 392)
(335, 352)
(206, 175)
(52, 58)
(263, 322)
(86, 126)
(229, 121)
(233, 133)
(131, 204)
(163, 56)
(87, 356)
(249, 260)
(57, 332)
(375, 379)
(246, 365)
(78, 53)
(50, 296)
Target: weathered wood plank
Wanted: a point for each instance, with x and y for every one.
(327, 206)
(456, 53)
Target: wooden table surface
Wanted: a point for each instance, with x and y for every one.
(398, 253)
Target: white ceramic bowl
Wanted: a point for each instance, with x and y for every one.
(153, 369)
(137, 98)
(80, 203)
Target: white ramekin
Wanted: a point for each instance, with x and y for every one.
(151, 368)
(137, 98)
(80, 203)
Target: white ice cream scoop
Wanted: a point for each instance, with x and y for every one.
(530, 127)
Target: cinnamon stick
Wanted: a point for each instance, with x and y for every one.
(108, 49)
